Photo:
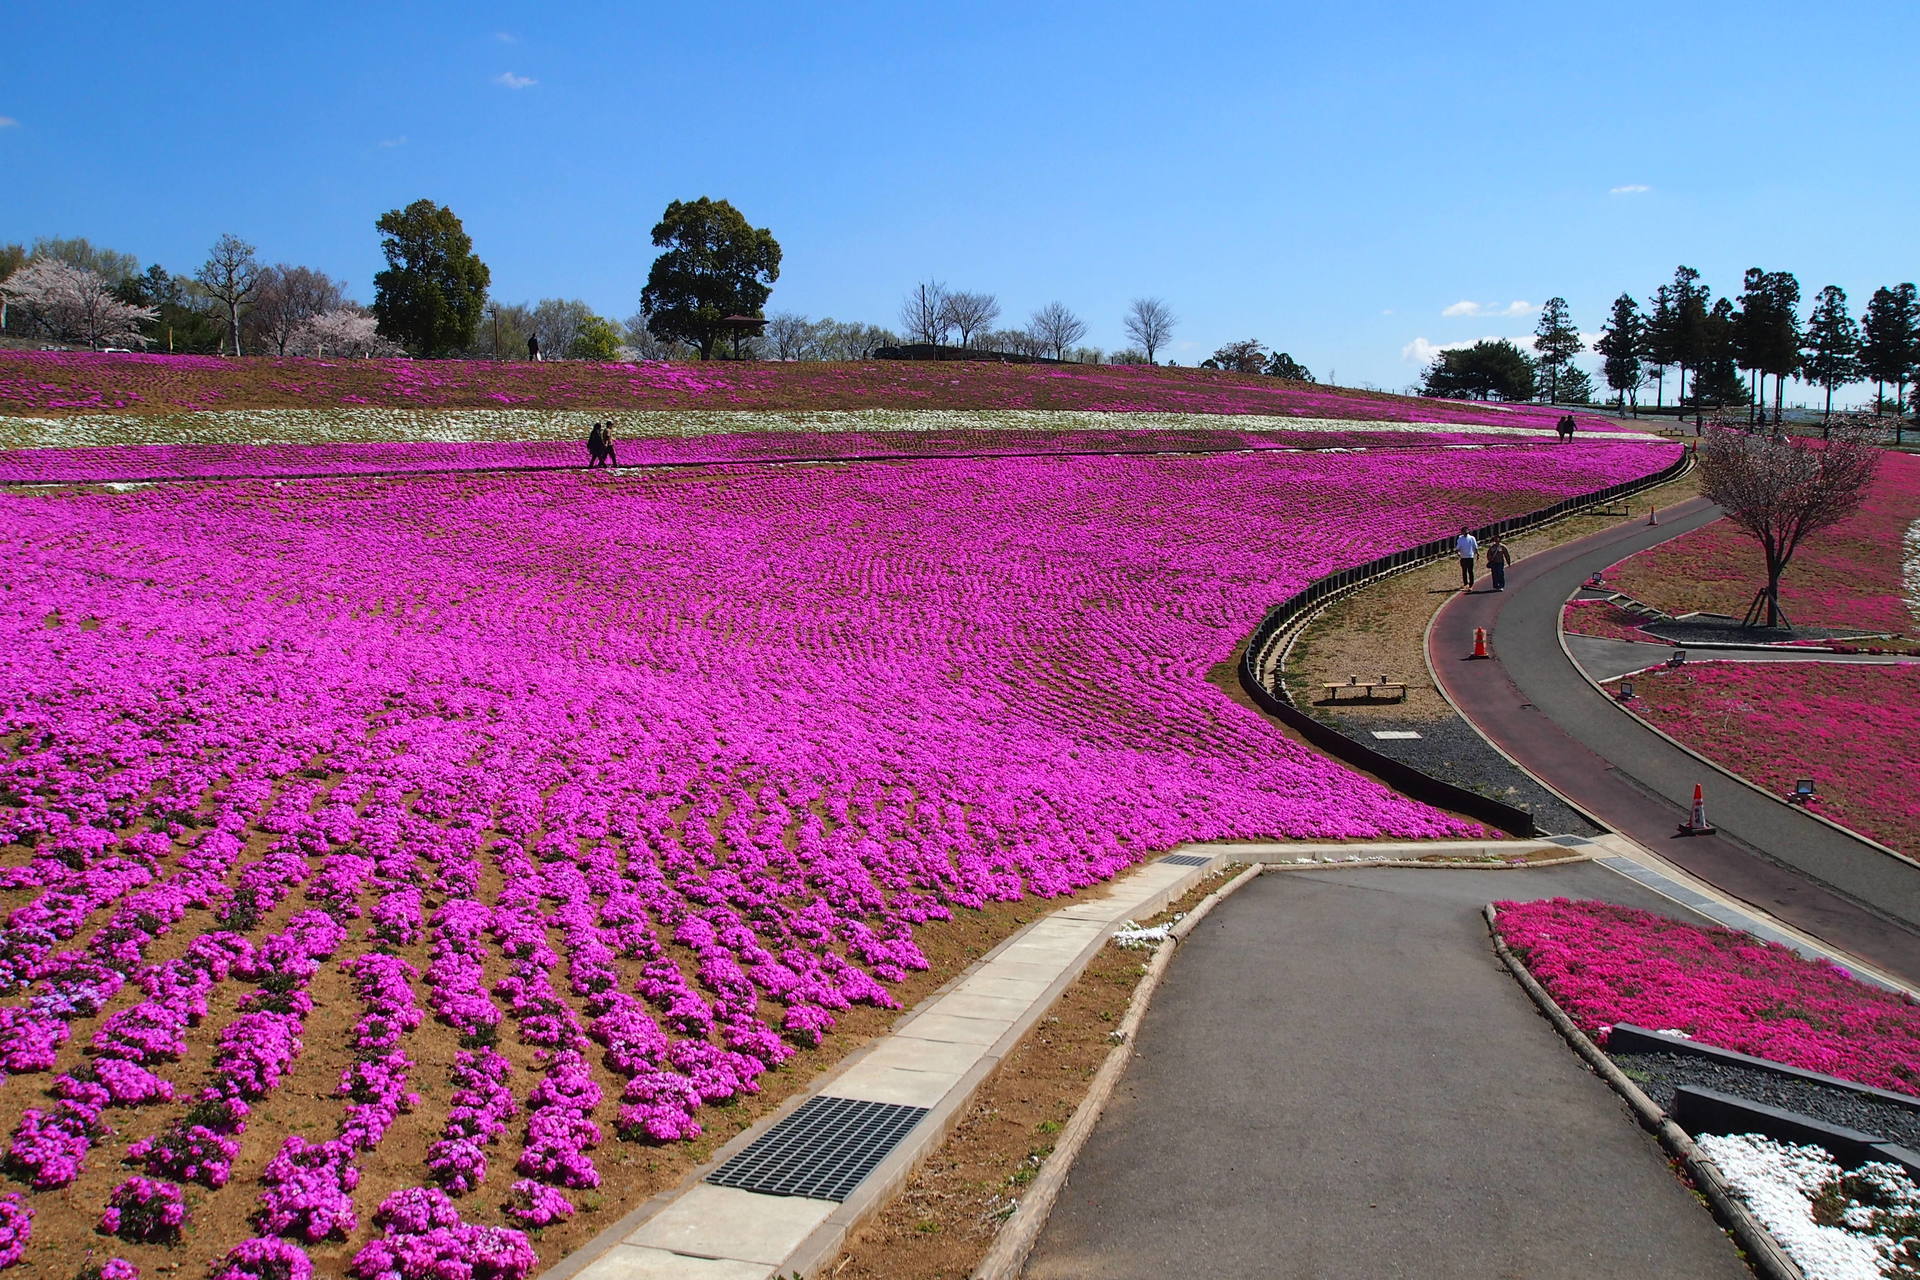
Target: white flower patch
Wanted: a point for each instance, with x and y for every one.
(473, 426)
(1780, 1181)
(1910, 569)
(1136, 937)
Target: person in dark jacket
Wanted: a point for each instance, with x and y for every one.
(1498, 558)
(596, 445)
(607, 457)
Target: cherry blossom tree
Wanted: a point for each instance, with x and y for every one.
(73, 304)
(343, 331)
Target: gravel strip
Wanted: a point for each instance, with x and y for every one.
(1450, 750)
(1709, 631)
(1660, 1073)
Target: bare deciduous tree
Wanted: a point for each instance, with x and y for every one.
(1780, 488)
(285, 298)
(1057, 328)
(971, 314)
(794, 337)
(74, 305)
(230, 275)
(1150, 323)
(924, 313)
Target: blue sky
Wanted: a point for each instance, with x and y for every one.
(1330, 179)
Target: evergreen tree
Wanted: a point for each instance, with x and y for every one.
(1780, 344)
(1656, 342)
(1489, 369)
(1576, 385)
(716, 265)
(1687, 334)
(1718, 383)
(1555, 342)
(1889, 332)
(1619, 346)
(430, 296)
(1830, 353)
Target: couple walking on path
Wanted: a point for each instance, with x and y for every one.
(600, 446)
(1467, 547)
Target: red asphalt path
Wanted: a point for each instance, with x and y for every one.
(1535, 705)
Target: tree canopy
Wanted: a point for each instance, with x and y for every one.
(1890, 339)
(430, 296)
(715, 265)
(1491, 369)
(1285, 366)
(1619, 347)
(1831, 351)
(1556, 342)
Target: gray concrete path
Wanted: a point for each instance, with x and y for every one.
(1607, 659)
(1338, 1079)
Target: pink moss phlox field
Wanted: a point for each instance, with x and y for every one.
(648, 781)
(1603, 618)
(58, 382)
(122, 463)
(1605, 964)
(1853, 728)
(1846, 576)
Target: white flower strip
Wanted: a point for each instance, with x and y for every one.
(1136, 937)
(1779, 1182)
(1910, 569)
(467, 426)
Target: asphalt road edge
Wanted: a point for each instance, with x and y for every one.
(1763, 1252)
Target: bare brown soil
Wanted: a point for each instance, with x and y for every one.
(1381, 628)
(944, 1221)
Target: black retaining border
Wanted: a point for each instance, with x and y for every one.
(1323, 591)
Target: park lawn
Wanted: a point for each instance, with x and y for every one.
(1853, 729)
(1859, 573)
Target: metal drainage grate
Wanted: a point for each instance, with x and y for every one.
(1569, 842)
(1187, 859)
(822, 1150)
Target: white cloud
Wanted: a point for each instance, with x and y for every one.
(1465, 307)
(512, 81)
(8, 122)
(1421, 351)
(1387, 312)
(1631, 189)
(400, 141)
(506, 37)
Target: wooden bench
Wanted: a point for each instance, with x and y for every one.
(1367, 689)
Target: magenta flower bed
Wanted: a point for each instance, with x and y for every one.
(1846, 576)
(1853, 729)
(1606, 964)
(110, 463)
(633, 788)
(55, 382)
(1603, 618)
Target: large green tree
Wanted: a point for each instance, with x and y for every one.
(1766, 334)
(1889, 335)
(1555, 343)
(1492, 368)
(430, 297)
(1717, 382)
(715, 265)
(1677, 331)
(1830, 353)
(1619, 347)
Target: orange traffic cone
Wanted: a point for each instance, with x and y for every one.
(1479, 643)
(1696, 823)
(1653, 515)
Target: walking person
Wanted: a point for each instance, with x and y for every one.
(533, 346)
(1467, 547)
(596, 446)
(607, 456)
(1498, 558)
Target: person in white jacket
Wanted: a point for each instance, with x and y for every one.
(1468, 549)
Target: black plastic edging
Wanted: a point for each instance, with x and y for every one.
(1421, 786)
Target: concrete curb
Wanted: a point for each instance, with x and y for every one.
(1721, 769)
(1764, 1253)
(1017, 1235)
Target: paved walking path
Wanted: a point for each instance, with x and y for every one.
(1608, 659)
(1338, 1079)
(1534, 704)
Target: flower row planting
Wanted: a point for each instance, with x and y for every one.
(1603, 618)
(1853, 729)
(1860, 573)
(381, 851)
(1605, 964)
(63, 382)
